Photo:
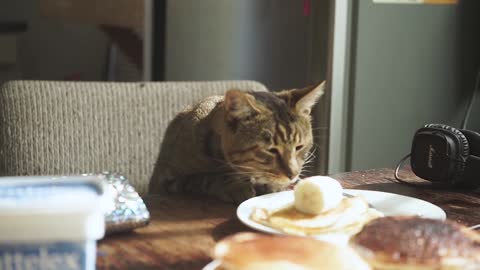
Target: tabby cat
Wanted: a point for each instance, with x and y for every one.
(239, 145)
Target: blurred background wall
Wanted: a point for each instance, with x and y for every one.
(410, 65)
(52, 49)
(272, 41)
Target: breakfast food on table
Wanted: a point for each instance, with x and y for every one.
(317, 194)
(405, 243)
(319, 208)
(252, 251)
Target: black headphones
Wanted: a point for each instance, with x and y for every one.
(445, 156)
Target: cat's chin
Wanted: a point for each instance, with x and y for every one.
(269, 186)
(261, 189)
(280, 188)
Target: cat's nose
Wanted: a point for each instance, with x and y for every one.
(296, 178)
(292, 173)
(293, 170)
(290, 166)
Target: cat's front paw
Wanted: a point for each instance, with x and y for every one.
(261, 189)
(238, 193)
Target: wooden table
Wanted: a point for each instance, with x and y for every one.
(184, 229)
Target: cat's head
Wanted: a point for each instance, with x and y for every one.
(269, 135)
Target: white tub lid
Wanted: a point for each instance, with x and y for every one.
(52, 208)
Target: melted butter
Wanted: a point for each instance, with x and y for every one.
(291, 213)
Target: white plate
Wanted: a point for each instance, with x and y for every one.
(212, 265)
(389, 204)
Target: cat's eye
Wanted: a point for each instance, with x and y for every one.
(273, 151)
(299, 147)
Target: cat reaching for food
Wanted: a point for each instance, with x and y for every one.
(239, 145)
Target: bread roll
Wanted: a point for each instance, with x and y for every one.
(317, 194)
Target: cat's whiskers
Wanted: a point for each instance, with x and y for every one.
(244, 174)
(256, 174)
(248, 170)
(304, 169)
(245, 171)
(312, 153)
(319, 128)
(315, 145)
(303, 174)
(244, 168)
(224, 163)
(310, 158)
(308, 161)
(240, 166)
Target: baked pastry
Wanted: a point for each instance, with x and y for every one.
(253, 251)
(405, 243)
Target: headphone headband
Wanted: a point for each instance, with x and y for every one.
(472, 165)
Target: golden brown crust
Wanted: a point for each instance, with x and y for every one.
(415, 240)
(244, 250)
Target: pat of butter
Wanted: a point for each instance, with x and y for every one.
(317, 194)
(51, 222)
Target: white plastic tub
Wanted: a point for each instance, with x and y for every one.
(51, 222)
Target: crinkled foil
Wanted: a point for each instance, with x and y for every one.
(129, 211)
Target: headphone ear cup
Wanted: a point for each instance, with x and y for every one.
(473, 141)
(463, 140)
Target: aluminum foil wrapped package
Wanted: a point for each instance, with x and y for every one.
(128, 211)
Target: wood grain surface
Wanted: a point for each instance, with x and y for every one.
(184, 229)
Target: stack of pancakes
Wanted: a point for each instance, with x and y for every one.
(347, 218)
(319, 209)
(386, 243)
(251, 251)
(407, 243)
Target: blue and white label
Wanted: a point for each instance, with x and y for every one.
(49, 256)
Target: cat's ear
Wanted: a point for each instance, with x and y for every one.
(302, 100)
(239, 105)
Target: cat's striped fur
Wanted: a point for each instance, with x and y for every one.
(239, 145)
